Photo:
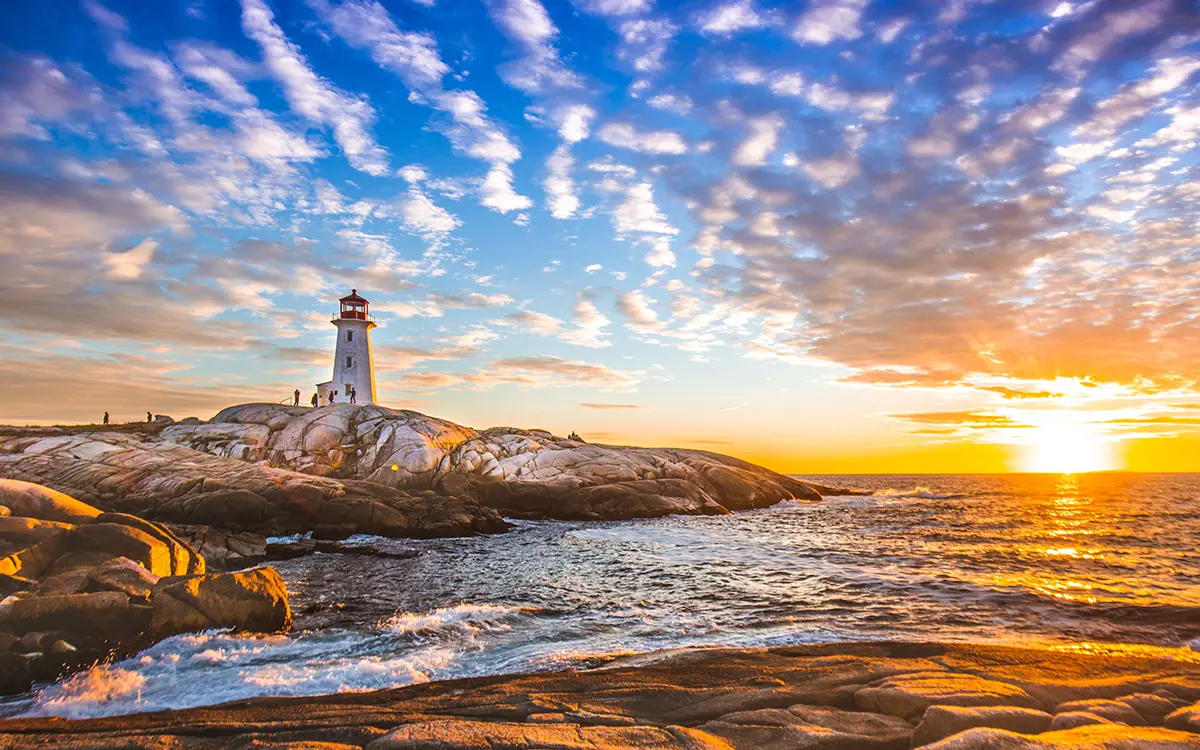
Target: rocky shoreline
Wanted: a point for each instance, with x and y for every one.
(881, 696)
(79, 586)
(336, 471)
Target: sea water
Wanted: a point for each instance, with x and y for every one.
(1088, 562)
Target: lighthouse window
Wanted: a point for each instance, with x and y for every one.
(349, 335)
(349, 361)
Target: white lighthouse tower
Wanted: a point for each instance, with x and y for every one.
(353, 365)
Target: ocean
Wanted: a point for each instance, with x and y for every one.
(1093, 562)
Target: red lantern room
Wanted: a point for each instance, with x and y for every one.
(354, 307)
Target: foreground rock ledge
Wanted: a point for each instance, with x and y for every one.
(825, 697)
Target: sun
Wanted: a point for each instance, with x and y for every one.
(1067, 449)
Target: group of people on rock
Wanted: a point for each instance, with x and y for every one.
(149, 417)
(351, 393)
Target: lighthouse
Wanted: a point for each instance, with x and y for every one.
(353, 365)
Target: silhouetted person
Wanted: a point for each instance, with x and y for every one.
(332, 396)
(314, 400)
(353, 395)
(105, 419)
(296, 397)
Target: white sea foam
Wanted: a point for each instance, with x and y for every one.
(460, 620)
(918, 491)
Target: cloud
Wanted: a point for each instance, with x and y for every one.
(540, 70)
(615, 7)
(644, 43)
(625, 135)
(129, 264)
(826, 21)
(589, 324)
(635, 306)
(727, 19)
(561, 195)
(37, 91)
(423, 217)
(760, 141)
(973, 419)
(612, 407)
(349, 118)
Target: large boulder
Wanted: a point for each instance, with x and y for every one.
(253, 600)
(105, 613)
(35, 501)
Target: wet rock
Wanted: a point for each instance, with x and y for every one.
(124, 575)
(1109, 709)
(939, 722)
(908, 695)
(472, 735)
(290, 550)
(253, 600)
(1096, 737)
(365, 550)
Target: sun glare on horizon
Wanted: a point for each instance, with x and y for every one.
(1067, 449)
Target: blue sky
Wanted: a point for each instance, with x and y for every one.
(707, 223)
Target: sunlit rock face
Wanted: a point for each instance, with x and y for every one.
(521, 472)
(77, 583)
(164, 481)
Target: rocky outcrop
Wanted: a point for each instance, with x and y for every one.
(707, 699)
(162, 481)
(519, 472)
(75, 592)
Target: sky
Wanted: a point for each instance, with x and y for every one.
(826, 236)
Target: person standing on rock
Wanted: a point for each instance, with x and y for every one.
(105, 419)
(314, 400)
(149, 418)
(296, 397)
(332, 396)
(353, 395)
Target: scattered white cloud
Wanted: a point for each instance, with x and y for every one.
(826, 21)
(349, 118)
(625, 135)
